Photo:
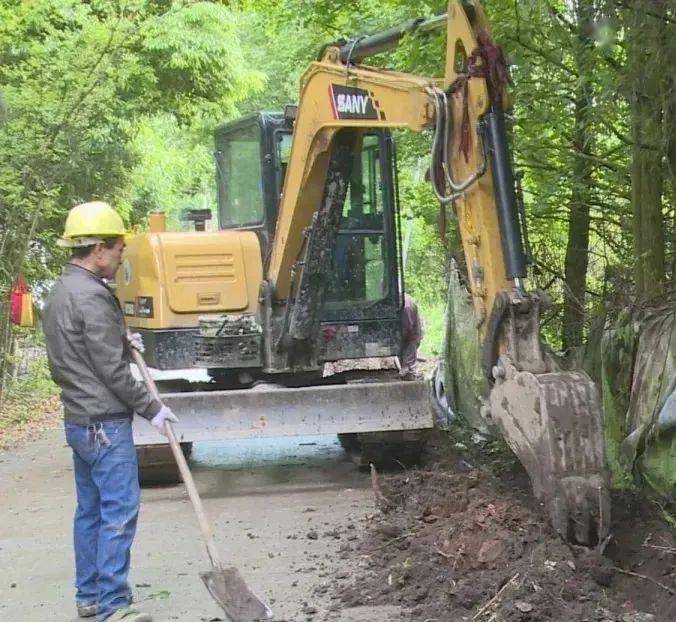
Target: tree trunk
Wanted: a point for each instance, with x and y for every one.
(646, 44)
(6, 339)
(577, 247)
(669, 139)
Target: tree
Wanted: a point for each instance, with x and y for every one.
(649, 95)
(78, 80)
(581, 178)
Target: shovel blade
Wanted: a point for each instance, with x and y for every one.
(229, 590)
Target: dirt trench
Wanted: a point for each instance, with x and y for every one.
(452, 541)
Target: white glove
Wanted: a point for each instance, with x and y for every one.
(136, 341)
(162, 417)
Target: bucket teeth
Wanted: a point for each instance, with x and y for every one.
(554, 424)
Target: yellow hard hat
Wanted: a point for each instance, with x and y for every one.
(90, 223)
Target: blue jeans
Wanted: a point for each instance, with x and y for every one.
(108, 498)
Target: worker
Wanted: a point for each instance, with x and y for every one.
(88, 350)
(411, 336)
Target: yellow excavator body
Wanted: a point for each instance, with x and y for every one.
(306, 268)
(182, 275)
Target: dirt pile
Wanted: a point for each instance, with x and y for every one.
(455, 543)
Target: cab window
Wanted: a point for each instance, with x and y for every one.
(362, 252)
(361, 248)
(238, 171)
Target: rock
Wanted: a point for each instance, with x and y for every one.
(523, 606)
(640, 616)
(464, 467)
(352, 597)
(312, 535)
(490, 551)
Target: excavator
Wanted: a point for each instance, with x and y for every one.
(305, 270)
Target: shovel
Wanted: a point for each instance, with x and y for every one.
(226, 585)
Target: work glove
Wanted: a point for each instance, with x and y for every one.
(161, 418)
(136, 341)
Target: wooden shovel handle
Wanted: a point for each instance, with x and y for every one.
(182, 464)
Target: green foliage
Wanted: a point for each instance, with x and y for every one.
(668, 516)
(197, 64)
(82, 85)
(434, 329)
(173, 171)
(80, 81)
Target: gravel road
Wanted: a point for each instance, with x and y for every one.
(281, 511)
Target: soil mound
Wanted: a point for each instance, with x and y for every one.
(453, 542)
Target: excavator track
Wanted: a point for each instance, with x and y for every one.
(157, 465)
(385, 450)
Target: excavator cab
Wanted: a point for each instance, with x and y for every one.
(362, 301)
(203, 299)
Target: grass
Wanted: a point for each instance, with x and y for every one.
(433, 319)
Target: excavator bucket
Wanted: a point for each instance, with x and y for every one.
(554, 424)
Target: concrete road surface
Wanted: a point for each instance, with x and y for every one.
(264, 499)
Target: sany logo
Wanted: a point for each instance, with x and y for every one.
(355, 104)
(351, 102)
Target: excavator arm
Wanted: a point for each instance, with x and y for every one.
(550, 418)
(338, 104)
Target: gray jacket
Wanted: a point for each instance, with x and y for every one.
(88, 351)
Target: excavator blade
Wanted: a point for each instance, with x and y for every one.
(268, 411)
(554, 424)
